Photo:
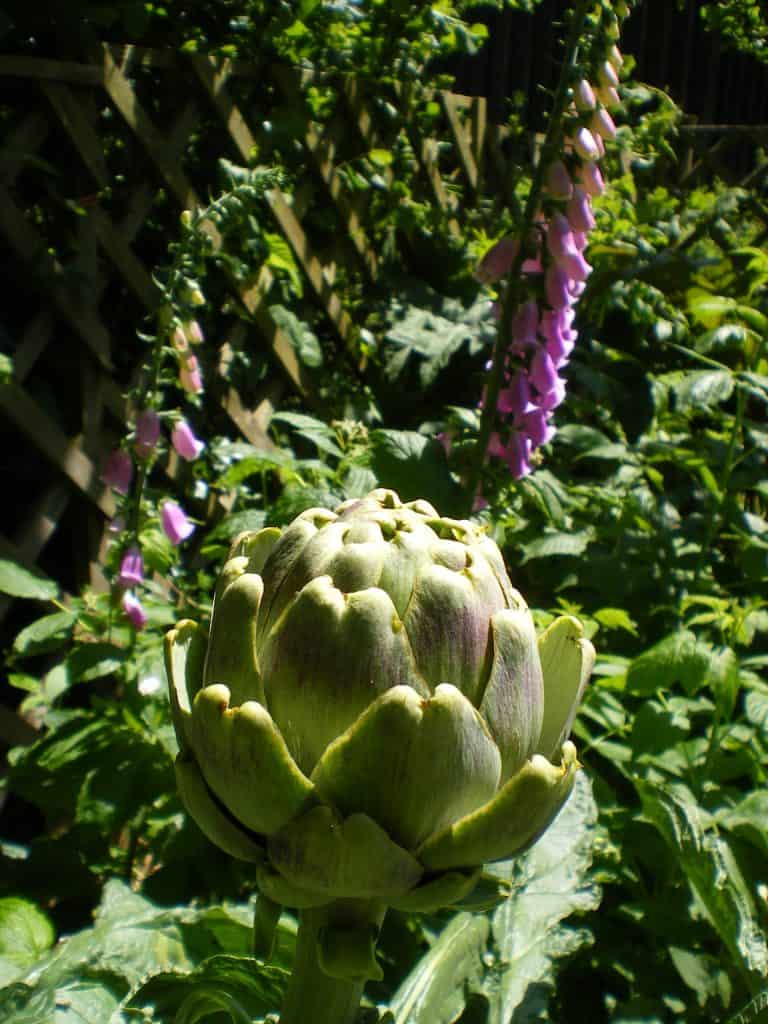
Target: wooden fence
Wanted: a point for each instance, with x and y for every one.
(137, 135)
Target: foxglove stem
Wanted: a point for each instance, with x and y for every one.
(513, 293)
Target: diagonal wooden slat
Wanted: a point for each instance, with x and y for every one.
(461, 138)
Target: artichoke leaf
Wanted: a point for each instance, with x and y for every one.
(232, 656)
(402, 751)
(442, 891)
(184, 659)
(342, 857)
(256, 546)
(511, 822)
(212, 821)
(279, 890)
(567, 659)
(245, 761)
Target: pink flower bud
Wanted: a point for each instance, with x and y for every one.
(118, 471)
(556, 282)
(615, 57)
(557, 181)
(543, 373)
(584, 96)
(194, 332)
(602, 124)
(131, 568)
(498, 261)
(609, 97)
(537, 427)
(600, 145)
(518, 456)
(591, 179)
(579, 211)
(606, 75)
(147, 433)
(175, 524)
(179, 340)
(185, 442)
(563, 249)
(524, 326)
(190, 376)
(515, 400)
(552, 398)
(560, 340)
(133, 610)
(585, 145)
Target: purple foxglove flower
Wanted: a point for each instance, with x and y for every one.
(118, 471)
(579, 211)
(495, 447)
(557, 181)
(498, 261)
(563, 249)
(577, 287)
(515, 400)
(552, 398)
(131, 568)
(585, 145)
(543, 373)
(190, 376)
(591, 179)
(584, 95)
(609, 97)
(518, 455)
(185, 442)
(134, 610)
(602, 125)
(556, 282)
(147, 433)
(175, 523)
(560, 340)
(606, 75)
(524, 326)
(600, 145)
(580, 240)
(537, 427)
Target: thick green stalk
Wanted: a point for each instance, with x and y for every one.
(513, 291)
(312, 994)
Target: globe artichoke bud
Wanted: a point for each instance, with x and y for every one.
(371, 716)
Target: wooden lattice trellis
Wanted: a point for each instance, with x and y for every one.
(78, 105)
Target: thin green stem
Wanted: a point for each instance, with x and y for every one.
(312, 994)
(514, 288)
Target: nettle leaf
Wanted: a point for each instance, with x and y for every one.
(564, 543)
(616, 618)
(46, 634)
(756, 708)
(435, 991)
(416, 467)
(712, 872)
(303, 338)
(20, 582)
(679, 658)
(95, 975)
(549, 883)
(314, 430)
(747, 819)
(25, 934)
(700, 389)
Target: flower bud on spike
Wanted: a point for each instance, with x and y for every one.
(602, 125)
(175, 524)
(585, 145)
(615, 57)
(134, 610)
(147, 433)
(584, 96)
(557, 181)
(591, 179)
(606, 74)
(498, 261)
(190, 377)
(118, 471)
(579, 212)
(184, 441)
(609, 97)
(131, 568)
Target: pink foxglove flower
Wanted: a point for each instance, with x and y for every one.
(131, 568)
(556, 286)
(515, 400)
(190, 377)
(563, 249)
(179, 339)
(585, 145)
(552, 398)
(537, 427)
(602, 124)
(609, 97)
(579, 211)
(518, 455)
(147, 433)
(118, 471)
(524, 326)
(194, 332)
(498, 261)
(557, 181)
(606, 75)
(543, 373)
(134, 610)
(175, 524)
(591, 179)
(584, 95)
(185, 442)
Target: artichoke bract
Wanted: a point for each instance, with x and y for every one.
(372, 715)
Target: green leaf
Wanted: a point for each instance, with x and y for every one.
(712, 872)
(45, 634)
(756, 707)
(304, 339)
(700, 389)
(616, 618)
(20, 582)
(748, 818)
(575, 543)
(549, 883)
(94, 661)
(436, 989)
(709, 309)
(313, 429)
(25, 934)
(281, 258)
(238, 988)
(723, 677)
(380, 157)
(678, 658)
(415, 466)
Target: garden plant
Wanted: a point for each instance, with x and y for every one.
(450, 704)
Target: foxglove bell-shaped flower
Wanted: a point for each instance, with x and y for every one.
(498, 261)
(190, 377)
(118, 471)
(543, 373)
(131, 568)
(591, 179)
(602, 125)
(184, 441)
(579, 211)
(584, 96)
(175, 523)
(524, 326)
(585, 145)
(557, 181)
(537, 427)
(147, 433)
(556, 286)
(134, 610)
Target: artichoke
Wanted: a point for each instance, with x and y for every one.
(371, 716)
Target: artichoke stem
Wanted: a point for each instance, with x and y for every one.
(265, 921)
(337, 934)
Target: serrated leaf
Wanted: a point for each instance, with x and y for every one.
(756, 707)
(435, 991)
(45, 634)
(313, 429)
(679, 658)
(616, 618)
(25, 934)
(700, 389)
(551, 544)
(748, 818)
(712, 872)
(20, 582)
(303, 338)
